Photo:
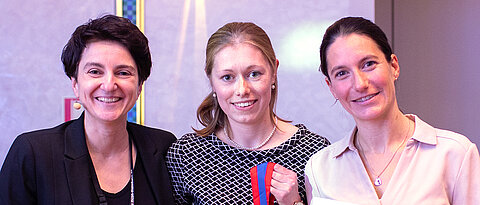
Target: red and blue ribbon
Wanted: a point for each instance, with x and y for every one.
(261, 176)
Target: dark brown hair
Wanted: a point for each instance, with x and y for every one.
(109, 28)
(349, 25)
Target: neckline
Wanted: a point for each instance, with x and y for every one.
(101, 194)
(222, 146)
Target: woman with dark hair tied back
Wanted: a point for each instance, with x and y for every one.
(99, 158)
(389, 157)
(218, 164)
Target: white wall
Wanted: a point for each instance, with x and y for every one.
(32, 81)
(437, 43)
(33, 85)
(180, 29)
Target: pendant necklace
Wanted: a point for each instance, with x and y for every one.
(254, 147)
(378, 181)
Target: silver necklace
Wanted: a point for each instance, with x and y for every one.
(378, 181)
(254, 147)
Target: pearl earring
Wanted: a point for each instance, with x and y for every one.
(214, 95)
(273, 86)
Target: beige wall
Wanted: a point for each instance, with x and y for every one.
(438, 45)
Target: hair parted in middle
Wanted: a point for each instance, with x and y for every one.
(209, 113)
(353, 25)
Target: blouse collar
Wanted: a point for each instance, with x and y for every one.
(424, 133)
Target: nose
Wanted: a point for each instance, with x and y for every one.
(360, 81)
(242, 87)
(109, 82)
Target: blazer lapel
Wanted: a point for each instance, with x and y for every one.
(77, 164)
(154, 163)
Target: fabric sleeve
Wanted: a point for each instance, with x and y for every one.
(467, 185)
(309, 181)
(176, 170)
(17, 176)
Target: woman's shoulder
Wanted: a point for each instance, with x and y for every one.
(328, 152)
(453, 140)
(39, 144)
(145, 137)
(308, 135)
(190, 139)
(428, 134)
(151, 131)
(190, 144)
(44, 136)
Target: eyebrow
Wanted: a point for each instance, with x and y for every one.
(362, 60)
(248, 68)
(94, 64)
(126, 66)
(336, 68)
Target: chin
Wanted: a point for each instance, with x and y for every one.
(371, 114)
(111, 117)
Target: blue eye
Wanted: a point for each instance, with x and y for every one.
(254, 74)
(226, 77)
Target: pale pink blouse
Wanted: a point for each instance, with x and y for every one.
(436, 167)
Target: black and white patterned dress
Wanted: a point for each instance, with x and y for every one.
(205, 170)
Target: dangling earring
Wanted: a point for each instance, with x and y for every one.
(77, 105)
(273, 86)
(214, 95)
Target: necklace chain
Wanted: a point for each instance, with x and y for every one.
(132, 192)
(254, 147)
(378, 181)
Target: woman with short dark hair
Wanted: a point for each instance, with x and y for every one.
(98, 158)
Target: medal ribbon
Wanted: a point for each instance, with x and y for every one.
(261, 177)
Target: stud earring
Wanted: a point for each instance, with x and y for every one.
(273, 86)
(214, 95)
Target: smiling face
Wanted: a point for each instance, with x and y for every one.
(107, 83)
(361, 78)
(242, 79)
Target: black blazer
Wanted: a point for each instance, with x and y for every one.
(51, 166)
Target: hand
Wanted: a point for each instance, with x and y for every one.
(284, 185)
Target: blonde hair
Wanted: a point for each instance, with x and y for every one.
(209, 113)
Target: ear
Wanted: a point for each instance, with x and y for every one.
(275, 70)
(395, 66)
(330, 87)
(75, 87)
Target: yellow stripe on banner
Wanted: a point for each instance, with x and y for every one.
(119, 7)
(140, 6)
(140, 15)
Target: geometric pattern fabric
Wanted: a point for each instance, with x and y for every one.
(205, 170)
